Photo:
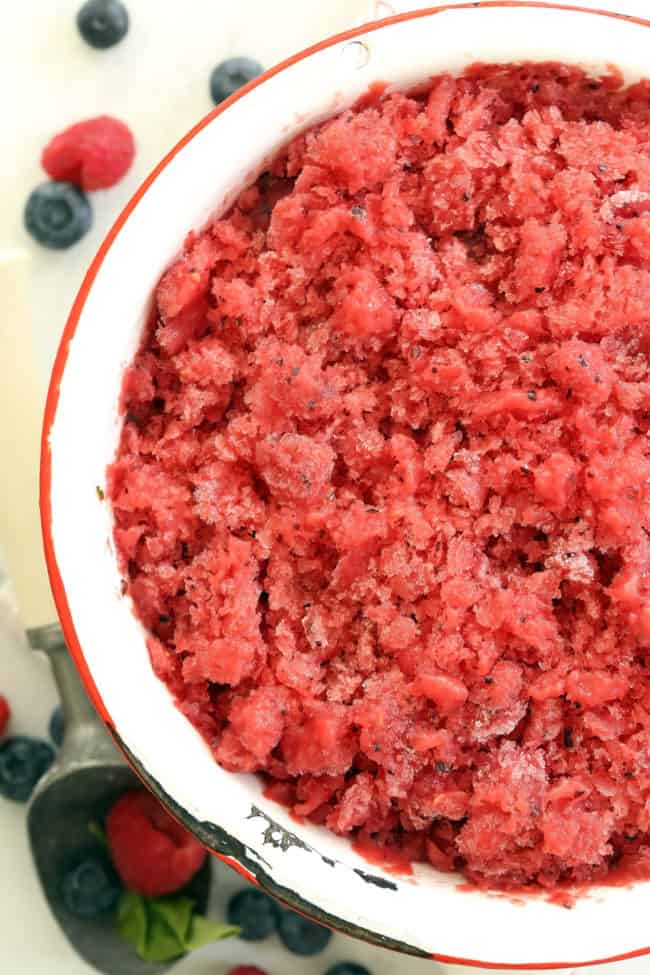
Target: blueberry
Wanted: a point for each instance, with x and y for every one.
(57, 214)
(90, 887)
(347, 968)
(300, 936)
(103, 23)
(230, 75)
(255, 913)
(23, 761)
(56, 726)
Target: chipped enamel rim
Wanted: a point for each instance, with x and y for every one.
(309, 869)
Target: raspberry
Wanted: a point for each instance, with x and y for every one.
(152, 853)
(5, 714)
(93, 154)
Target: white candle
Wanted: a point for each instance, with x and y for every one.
(22, 398)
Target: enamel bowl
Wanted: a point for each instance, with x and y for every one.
(428, 914)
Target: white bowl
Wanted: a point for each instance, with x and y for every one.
(308, 867)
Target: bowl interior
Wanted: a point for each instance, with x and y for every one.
(200, 177)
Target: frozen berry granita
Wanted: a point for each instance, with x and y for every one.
(382, 495)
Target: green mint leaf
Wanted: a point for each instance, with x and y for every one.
(162, 943)
(163, 928)
(133, 921)
(203, 931)
(155, 927)
(97, 830)
(175, 912)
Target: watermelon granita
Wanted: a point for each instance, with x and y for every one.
(382, 495)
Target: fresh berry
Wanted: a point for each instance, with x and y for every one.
(56, 726)
(152, 853)
(347, 968)
(103, 23)
(246, 970)
(5, 713)
(57, 214)
(255, 913)
(90, 888)
(93, 154)
(230, 75)
(301, 936)
(23, 760)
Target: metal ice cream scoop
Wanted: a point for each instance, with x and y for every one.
(89, 773)
(79, 789)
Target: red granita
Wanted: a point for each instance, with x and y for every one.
(383, 488)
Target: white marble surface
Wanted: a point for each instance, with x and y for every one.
(49, 78)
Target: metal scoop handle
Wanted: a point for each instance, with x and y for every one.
(86, 739)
